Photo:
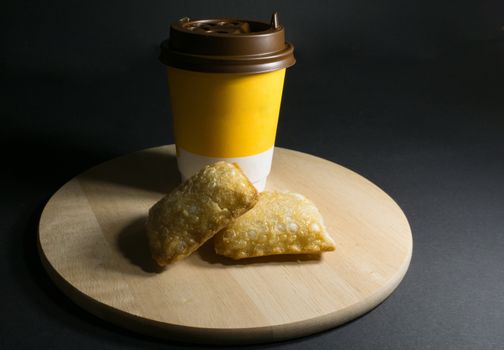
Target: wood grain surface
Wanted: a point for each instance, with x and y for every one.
(93, 245)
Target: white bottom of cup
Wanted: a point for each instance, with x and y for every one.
(260, 185)
(257, 167)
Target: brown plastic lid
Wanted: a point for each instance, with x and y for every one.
(227, 46)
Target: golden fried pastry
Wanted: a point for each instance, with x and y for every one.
(280, 223)
(197, 209)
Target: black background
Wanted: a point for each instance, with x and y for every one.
(407, 93)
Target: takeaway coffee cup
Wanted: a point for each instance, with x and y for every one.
(225, 79)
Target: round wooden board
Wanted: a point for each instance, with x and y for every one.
(92, 243)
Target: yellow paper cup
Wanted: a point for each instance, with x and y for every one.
(230, 117)
(226, 99)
